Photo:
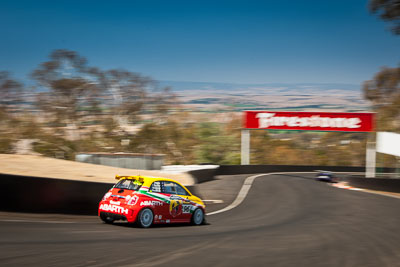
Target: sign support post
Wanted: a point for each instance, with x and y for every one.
(370, 160)
(245, 147)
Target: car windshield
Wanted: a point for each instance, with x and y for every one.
(128, 184)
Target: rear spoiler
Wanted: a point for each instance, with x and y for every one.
(138, 178)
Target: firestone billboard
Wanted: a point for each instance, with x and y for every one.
(310, 121)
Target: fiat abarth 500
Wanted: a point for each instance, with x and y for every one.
(147, 200)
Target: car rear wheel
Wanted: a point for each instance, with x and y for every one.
(198, 217)
(145, 218)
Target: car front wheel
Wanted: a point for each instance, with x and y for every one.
(145, 218)
(198, 217)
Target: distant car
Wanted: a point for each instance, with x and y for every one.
(146, 201)
(326, 176)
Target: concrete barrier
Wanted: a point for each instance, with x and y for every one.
(203, 175)
(378, 184)
(45, 195)
(253, 169)
(124, 160)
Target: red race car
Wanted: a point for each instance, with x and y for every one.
(146, 200)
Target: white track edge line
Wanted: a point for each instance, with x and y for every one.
(248, 183)
(245, 189)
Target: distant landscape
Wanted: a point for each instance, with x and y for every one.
(231, 97)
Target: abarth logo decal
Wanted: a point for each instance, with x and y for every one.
(113, 208)
(151, 203)
(175, 207)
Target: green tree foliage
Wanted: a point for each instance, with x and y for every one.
(388, 10)
(75, 97)
(384, 90)
(10, 97)
(10, 91)
(305, 148)
(189, 143)
(384, 93)
(68, 84)
(129, 92)
(216, 145)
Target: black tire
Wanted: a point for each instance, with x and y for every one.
(145, 218)
(198, 217)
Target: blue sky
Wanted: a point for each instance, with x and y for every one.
(208, 41)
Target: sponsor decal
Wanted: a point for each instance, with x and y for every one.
(107, 195)
(175, 207)
(113, 208)
(133, 200)
(127, 197)
(320, 121)
(159, 217)
(167, 221)
(186, 208)
(270, 119)
(151, 203)
(115, 202)
(157, 196)
(155, 217)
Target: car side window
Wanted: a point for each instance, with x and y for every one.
(156, 187)
(170, 188)
(180, 190)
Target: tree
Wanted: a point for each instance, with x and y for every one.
(388, 10)
(69, 85)
(128, 91)
(10, 95)
(384, 90)
(10, 91)
(134, 94)
(384, 93)
(216, 145)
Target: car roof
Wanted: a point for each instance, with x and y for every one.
(145, 179)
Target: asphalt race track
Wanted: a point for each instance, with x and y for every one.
(285, 220)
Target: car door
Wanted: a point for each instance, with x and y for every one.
(161, 212)
(187, 204)
(179, 208)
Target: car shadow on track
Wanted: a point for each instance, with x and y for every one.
(172, 225)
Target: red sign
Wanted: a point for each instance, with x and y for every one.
(309, 121)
